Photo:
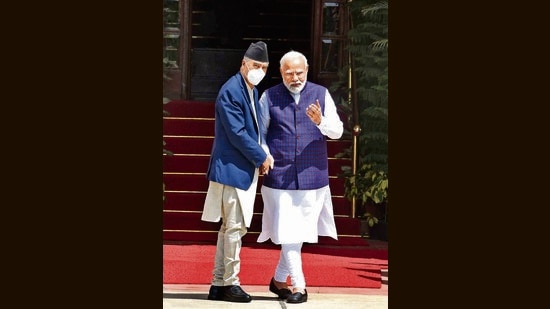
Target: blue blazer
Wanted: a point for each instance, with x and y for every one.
(236, 153)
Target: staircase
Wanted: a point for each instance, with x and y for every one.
(188, 133)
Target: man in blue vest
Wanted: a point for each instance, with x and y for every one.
(233, 170)
(297, 118)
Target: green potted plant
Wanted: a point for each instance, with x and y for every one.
(368, 221)
(369, 187)
(368, 111)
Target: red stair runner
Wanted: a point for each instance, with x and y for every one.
(188, 133)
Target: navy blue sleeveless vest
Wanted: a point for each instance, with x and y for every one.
(296, 144)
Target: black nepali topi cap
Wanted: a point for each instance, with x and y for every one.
(257, 51)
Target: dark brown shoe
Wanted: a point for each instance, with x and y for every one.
(281, 293)
(235, 293)
(297, 297)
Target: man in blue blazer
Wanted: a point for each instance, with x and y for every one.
(235, 163)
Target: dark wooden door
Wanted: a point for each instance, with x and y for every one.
(206, 40)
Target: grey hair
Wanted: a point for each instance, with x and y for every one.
(292, 55)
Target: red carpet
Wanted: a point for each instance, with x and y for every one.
(324, 267)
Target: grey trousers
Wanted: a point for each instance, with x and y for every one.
(227, 262)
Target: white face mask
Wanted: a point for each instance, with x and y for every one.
(255, 76)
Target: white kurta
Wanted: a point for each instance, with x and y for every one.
(212, 210)
(304, 214)
(295, 216)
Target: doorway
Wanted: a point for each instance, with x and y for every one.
(222, 30)
(206, 39)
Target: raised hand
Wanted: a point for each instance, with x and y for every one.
(313, 111)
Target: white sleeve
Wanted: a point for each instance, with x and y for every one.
(331, 125)
(264, 121)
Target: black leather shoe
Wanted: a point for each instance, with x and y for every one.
(216, 292)
(235, 293)
(297, 297)
(282, 293)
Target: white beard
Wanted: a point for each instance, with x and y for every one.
(295, 90)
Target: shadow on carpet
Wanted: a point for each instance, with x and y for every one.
(358, 268)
